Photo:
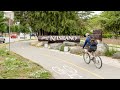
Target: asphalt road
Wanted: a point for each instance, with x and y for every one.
(64, 65)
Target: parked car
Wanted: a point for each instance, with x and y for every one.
(2, 39)
(32, 34)
(22, 36)
(14, 36)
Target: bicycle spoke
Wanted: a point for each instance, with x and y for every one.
(86, 57)
(98, 62)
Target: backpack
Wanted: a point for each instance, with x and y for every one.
(93, 44)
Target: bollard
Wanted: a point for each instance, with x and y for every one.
(46, 45)
(65, 49)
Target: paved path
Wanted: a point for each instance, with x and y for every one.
(64, 65)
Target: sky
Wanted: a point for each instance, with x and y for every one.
(7, 11)
(97, 12)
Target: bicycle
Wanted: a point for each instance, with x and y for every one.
(96, 59)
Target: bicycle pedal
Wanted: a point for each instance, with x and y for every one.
(94, 60)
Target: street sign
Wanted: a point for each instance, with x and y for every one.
(97, 31)
(97, 34)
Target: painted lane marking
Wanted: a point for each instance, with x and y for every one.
(72, 73)
(58, 70)
(73, 65)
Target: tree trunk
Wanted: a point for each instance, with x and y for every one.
(45, 33)
(36, 34)
(116, 35)
(41, 32)
(5, 34)
(2, 33)
(24, 35)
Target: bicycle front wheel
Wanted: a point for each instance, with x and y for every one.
(98, 62)
(86, 58)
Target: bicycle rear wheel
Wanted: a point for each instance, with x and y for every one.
(98, 62)
(86, 58)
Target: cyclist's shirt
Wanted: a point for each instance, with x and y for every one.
(87, 42)
(90, 45)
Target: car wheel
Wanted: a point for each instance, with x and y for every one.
(4, 41)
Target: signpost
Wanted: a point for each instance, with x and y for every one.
(10, 16)
(9, 34)
(97, 34)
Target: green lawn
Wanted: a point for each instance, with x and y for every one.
(13, 66)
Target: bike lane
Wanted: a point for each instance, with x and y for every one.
(64, 65)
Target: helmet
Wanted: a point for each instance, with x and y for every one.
(87, 34)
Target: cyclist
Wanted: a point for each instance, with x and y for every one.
(90, 44)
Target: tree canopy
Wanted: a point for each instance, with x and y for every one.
(61, 22)
(69, 22)
(111, 21)
(3, 25)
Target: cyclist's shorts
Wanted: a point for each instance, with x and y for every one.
(92, 49)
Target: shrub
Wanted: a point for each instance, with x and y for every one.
(62, 48)
(107, 35)
(110, 52)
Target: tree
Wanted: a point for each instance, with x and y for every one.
(24, 29)
(15, 28)
(3, 25)
(51, 22)
(85, 16)
(111, 22)
(94, 22)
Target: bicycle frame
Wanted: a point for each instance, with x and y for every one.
(92, 53)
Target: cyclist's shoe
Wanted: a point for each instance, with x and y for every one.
(92, 58)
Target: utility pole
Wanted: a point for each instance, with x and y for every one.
(10, 16)
(9, 34)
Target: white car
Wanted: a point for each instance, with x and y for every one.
(2, 39)
(22, 36)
